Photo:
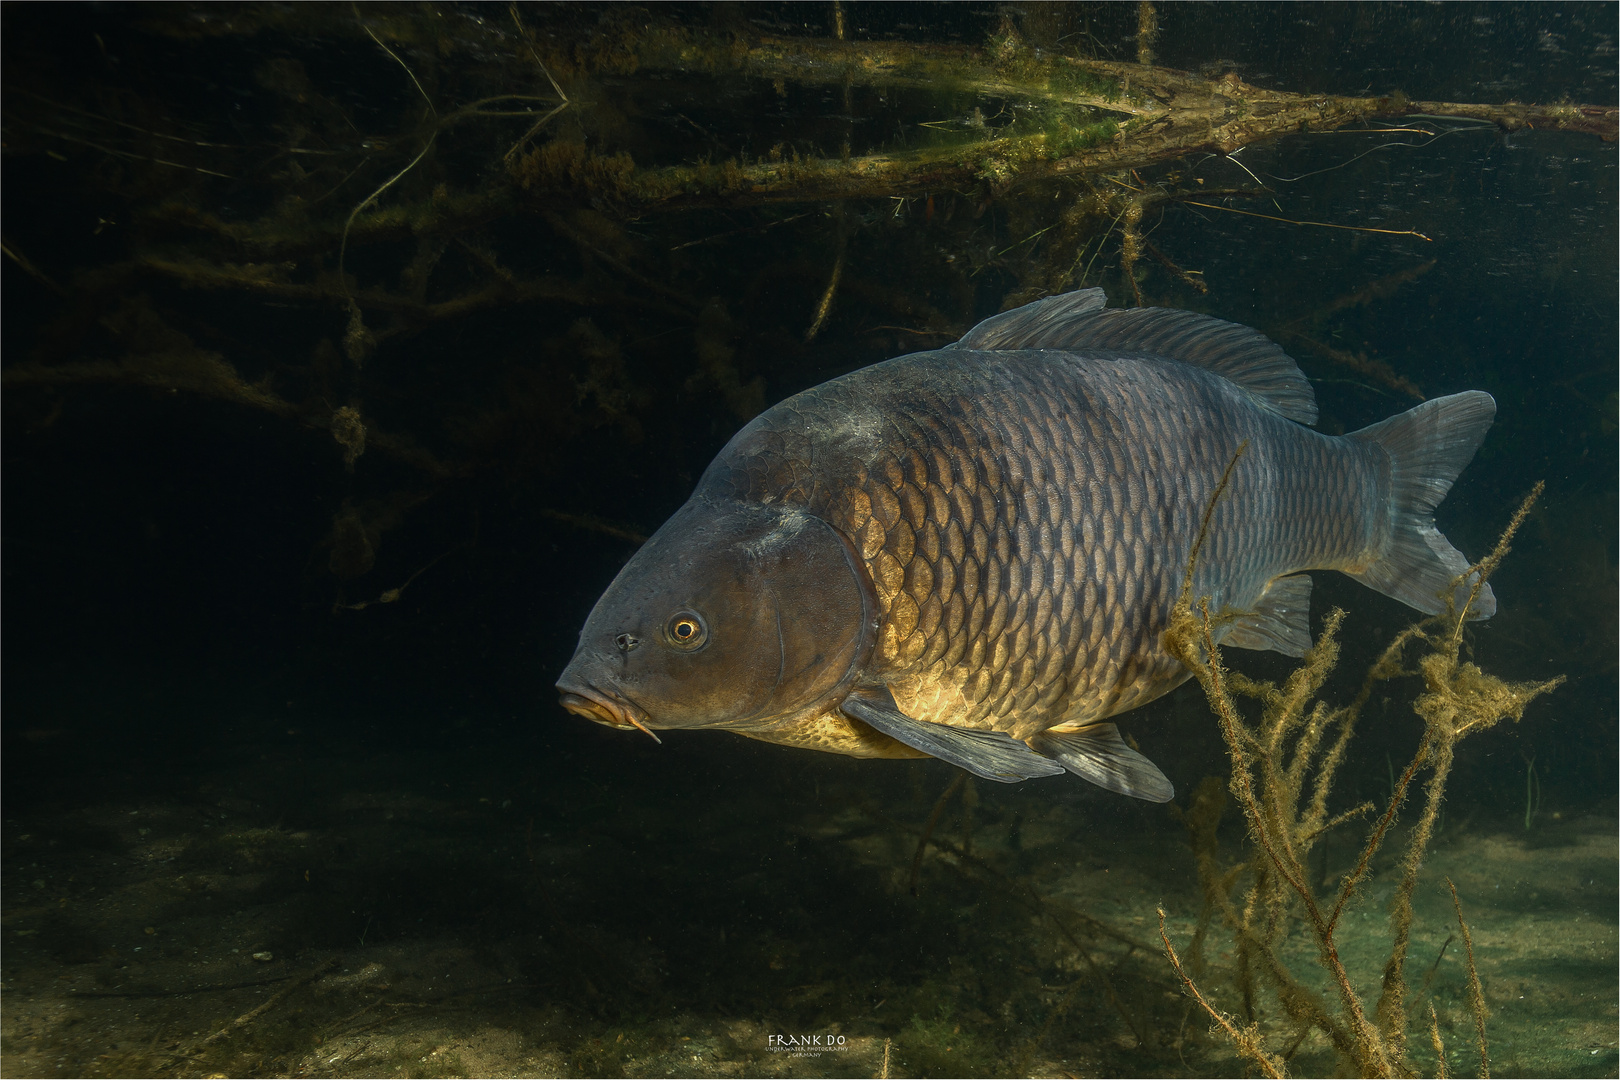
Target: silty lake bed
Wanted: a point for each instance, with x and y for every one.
(366, 915)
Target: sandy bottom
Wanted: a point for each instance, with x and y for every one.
(692, 912)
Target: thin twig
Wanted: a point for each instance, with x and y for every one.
(343, 245)
(272, 1001)
(1209, 512)
(395, 57)
(933, 822)
(562, 97)
(1244, 1040)
(1440, 1069)
(1318, 224)
(1476, 993)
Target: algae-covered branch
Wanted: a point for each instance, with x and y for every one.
(363, 185)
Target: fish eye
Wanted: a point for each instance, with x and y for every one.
(686, 630)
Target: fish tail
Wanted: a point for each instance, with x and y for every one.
(1427, 447)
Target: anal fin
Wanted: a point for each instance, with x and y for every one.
(1098, 753)
(1280, 620)
(992, 755)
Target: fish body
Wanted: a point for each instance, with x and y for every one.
(973, 553)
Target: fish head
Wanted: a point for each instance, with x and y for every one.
(732, 615)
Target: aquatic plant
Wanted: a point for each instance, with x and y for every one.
(1532, 792)
(392, 233)
(1284, 765)
(455, 169)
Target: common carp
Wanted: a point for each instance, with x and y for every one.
(973, 553)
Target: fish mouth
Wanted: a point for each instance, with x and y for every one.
(604, 708)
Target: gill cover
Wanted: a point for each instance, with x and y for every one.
(733, 615)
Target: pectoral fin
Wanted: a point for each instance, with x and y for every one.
(993, 755)
(1097, 753)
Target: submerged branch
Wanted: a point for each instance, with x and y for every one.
(1006, 69)
(197, 371)
(1283, 817)
(1093, 118)
(1018, 73)
(1247, 1041)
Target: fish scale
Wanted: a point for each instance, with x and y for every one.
(1013, 472)
(990, 538)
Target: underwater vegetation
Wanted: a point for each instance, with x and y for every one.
(518, 150)
(1283, 769)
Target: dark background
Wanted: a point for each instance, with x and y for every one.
(167, 607)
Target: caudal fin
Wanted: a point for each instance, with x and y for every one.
(1427, 447)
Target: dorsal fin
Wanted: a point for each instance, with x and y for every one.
(1079, 320)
